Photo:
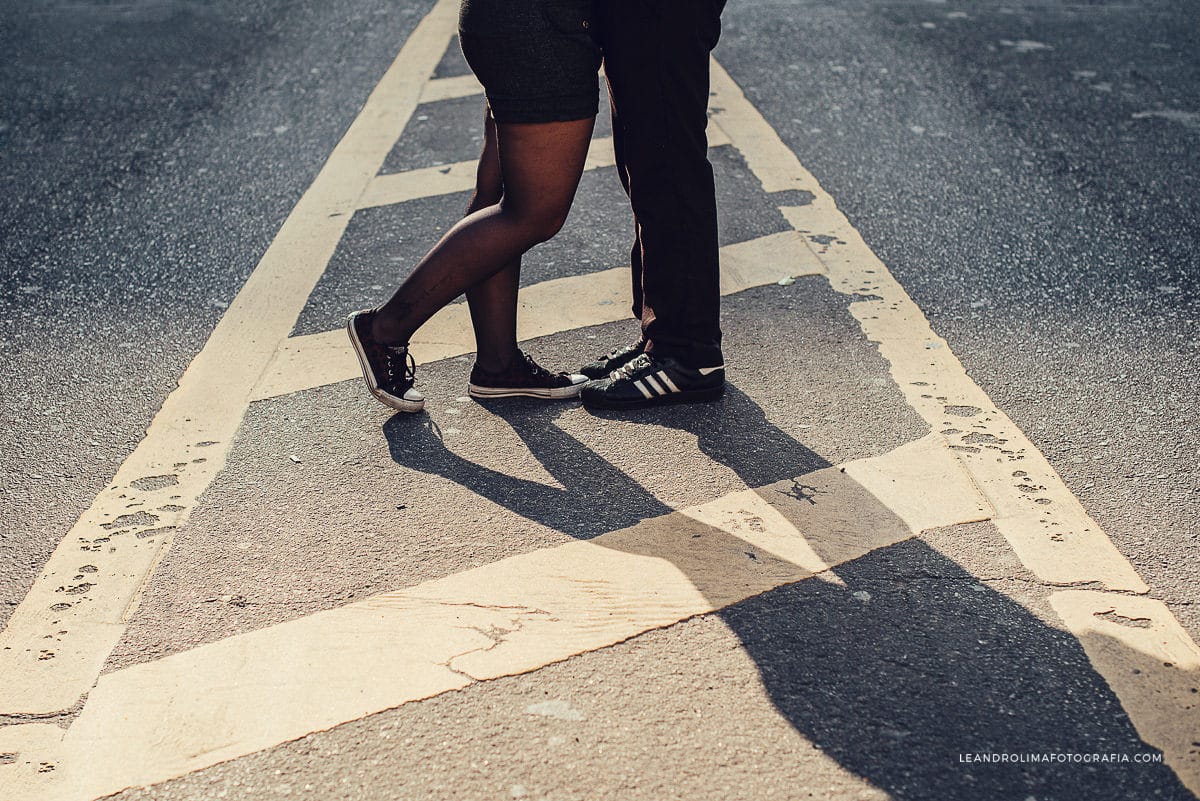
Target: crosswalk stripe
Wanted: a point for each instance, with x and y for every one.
(452, 88)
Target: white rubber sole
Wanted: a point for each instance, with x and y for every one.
(558, 393)
(386, 398)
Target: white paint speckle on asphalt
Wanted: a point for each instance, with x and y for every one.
(562, 710)
(1188, 119)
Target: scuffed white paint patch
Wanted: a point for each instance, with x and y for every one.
(1188, 119)
(1025, 45)
(560, 710)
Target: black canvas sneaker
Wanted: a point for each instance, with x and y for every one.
(524, 378)
(613, 360)
(651, 380)
(389, 370)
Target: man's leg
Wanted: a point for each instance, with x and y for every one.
(635, 253)
(621, 355)
(656, 60)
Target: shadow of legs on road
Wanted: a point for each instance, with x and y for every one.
(914, 663)
(895, 673)
(735, 432)
(597, 496)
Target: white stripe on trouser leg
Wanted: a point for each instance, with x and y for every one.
(666, 379)
(654, 385)
(642, 388)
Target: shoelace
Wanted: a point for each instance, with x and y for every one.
(409, 364)
(536, 369)
(627, 370)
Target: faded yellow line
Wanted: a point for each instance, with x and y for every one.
(1057, 541)
(451, 88)
(162, 719)
(1046, 525)
(31, 750)
(57, 640)
(1150, 662)
(447, 179)
(550, 307)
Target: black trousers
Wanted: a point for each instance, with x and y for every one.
(656, 55)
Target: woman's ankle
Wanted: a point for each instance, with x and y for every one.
(497, 361)
(385, 333)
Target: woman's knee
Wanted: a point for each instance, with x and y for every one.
(540, 222)
(551, 222)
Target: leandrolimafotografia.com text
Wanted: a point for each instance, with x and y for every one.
(1060, 758)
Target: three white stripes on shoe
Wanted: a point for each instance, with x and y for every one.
(645, 385)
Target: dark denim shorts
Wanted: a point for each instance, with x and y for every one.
(536, 59)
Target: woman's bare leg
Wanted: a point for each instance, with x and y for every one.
(540, 165)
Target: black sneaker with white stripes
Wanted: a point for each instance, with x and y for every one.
(613, 360)
(651, 380)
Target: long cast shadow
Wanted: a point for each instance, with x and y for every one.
(587, 508)
(599, 497)
(902, 674)
(933, 670)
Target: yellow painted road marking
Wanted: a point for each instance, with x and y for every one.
(33, 749)
(1053, 536)
(455, 87)
(451, 88)
(1046, 525)
(550, 307)
(154, 721)
(155, 489)
(447, 179)
(1146, 655)
(1048, 529)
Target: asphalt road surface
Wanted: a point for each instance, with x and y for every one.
(1029, 175)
